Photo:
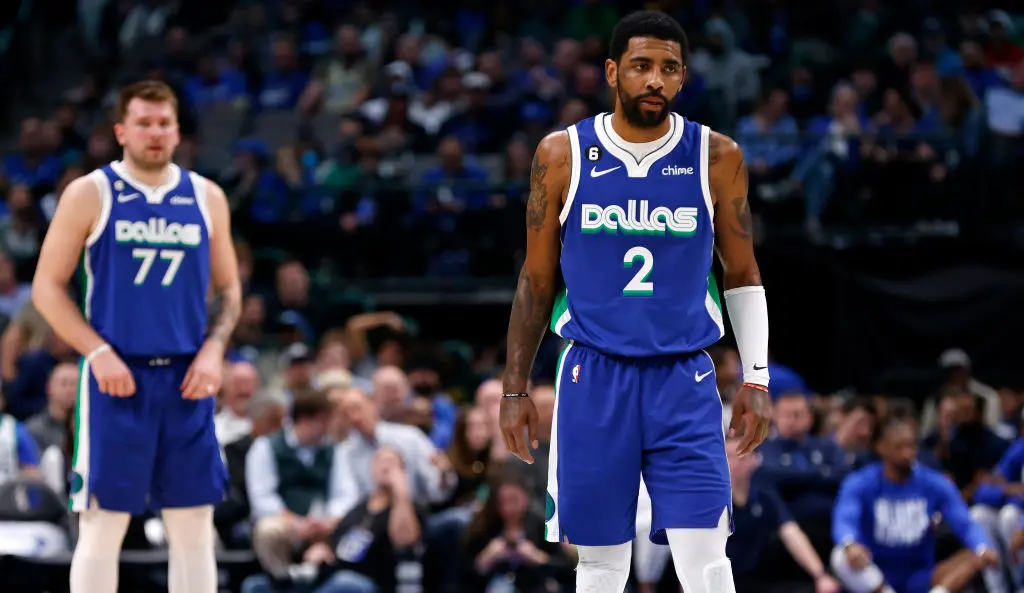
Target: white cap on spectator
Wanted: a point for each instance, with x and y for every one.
(476, 81)
(954, 357)
(398, 69)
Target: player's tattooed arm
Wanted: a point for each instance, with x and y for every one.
(223, 267)
(734, 226)
(538, 280)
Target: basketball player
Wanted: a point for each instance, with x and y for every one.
(628, 207)
(149, 236)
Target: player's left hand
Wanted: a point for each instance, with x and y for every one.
(518, 416)
(204, 374)
(751, 418)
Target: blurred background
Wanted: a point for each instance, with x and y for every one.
(376, 156)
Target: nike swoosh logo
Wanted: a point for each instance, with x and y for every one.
(595, 173)
(699, 377)
(760, 368)
(121, 198)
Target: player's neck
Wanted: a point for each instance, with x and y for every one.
(151, 177)
(631, 133)
(895, 475)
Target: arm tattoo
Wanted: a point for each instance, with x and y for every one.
(741, 169)
(537, 205)
(714, 149)
(744, 225)
(230, 311)
(531, 312)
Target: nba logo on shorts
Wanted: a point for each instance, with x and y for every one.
(576, 374)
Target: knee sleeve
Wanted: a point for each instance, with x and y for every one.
(866, 580)
(700, 560)
(603, 569)
(649, 559)
(192, 566)
(1009, 523)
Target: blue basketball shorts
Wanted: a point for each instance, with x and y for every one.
(617, 418)
(152, 450)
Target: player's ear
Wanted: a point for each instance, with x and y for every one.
(119, 132)
(611, 71)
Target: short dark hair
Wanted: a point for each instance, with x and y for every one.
(647, 23)
(145, 90)
(310, 403)
(860, 403)
(889, 424)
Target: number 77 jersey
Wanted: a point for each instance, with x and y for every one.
(145, 268)
(637, 244)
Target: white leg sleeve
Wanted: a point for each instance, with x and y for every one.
(700, 560)
(1010, 523)
(192, 567)
(988, 519)
(94, 566)
(866, 580)
(649, 559)
(603, 569)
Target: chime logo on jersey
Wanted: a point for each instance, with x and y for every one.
(638, 218)
(157, 231)
(576, 374)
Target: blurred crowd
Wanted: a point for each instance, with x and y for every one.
(363, 458)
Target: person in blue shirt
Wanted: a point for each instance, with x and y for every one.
(19, 456)
(804, 469)
(999, 504)
(883, 524)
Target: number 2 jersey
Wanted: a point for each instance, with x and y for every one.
(637, 244)
(145, 268)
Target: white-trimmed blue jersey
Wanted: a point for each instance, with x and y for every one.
(637, 245)
(146, 266)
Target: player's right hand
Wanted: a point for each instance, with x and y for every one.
(858, 556)
(518, 416)
(112, 375)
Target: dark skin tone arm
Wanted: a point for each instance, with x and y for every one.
(535, 293)
(734, 242)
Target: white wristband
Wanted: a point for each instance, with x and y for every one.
(97, 351)
(748, 312)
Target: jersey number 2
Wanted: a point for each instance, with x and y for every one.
(639, 285)
(148, 256)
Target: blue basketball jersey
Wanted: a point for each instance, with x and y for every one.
(146, 266)
(637, 245)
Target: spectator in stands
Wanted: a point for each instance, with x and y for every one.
(806, 470)
(368, 431)
(364, 552)
(506, 541)
(26, 392)
(967, 449)
(295, 483)
(488, 399)
(729, 72)
(232, 422)
(284, 82)
(297, 369)
(855, 430)
(21, 228)
(31, 166)
(389, 350)
(19, 455)
(49, 426)
(470, 454)
(214, 85)
(451, 188)
(425, 383)
(883, 530)
(13, 294)
(759, 515)
(266, 413)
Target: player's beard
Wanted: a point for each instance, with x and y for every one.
(147, 161)
(638, 117)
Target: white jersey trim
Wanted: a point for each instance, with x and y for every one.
(106, 203)
(574, 175)
(153, 195)
(633, 168)
(714, 311)
(199, 187)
